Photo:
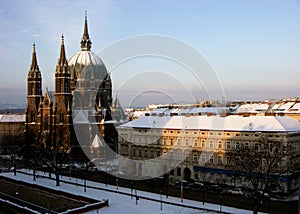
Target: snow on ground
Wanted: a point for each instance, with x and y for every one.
(119, 203)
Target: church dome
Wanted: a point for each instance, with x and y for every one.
(86, 65)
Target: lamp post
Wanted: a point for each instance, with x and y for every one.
(181, 191)
(160, 199)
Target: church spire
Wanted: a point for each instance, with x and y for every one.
(62, 57)
(85, 41)
(34, 65)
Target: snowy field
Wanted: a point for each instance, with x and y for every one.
(120, 203)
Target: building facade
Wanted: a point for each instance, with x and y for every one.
(12, 128)
(206, 148)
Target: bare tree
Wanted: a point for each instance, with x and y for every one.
(261, 167)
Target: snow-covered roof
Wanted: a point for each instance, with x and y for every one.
(12, 118)
(253, 107)
(229, 123)
(284, 107)
(216, 110)
(295, 108)
(159, 111)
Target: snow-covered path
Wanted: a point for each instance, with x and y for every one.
(121, 203)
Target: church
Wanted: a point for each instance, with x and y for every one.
(82, 95)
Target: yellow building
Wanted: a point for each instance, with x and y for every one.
(201, 147)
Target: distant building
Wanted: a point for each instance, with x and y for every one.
(199, 144)
(286, 107)
(12, 127)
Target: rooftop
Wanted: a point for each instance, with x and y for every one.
(229, 123)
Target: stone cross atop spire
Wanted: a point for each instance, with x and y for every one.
(86, 43)
(62, 61)
(34, 65)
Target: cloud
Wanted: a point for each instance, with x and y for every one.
(34, 36)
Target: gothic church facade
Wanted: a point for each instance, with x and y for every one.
(82, 84)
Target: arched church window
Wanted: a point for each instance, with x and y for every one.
(66, 87)
(46, 122)
(61, 118)
(32, 117)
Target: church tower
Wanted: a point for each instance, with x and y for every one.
(34, 93)
(62, 99)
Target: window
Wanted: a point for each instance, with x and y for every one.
(195, 157)
(140, 153)
(61, 117)
(61, 86)
(145, 153)
(228, 145)
(164, 153)
(172, 154)
(124, 150)
(203, 143)
(171, 141)
(196, 176)
(133, 152)
(179, 154)
(151, 154)
(246, 145)
(178, 141)
(186, 154)
(32, 117)
(157, 153)
(219, 159)
(211, 159)
(256, 146)
(165, 141)
(46, 122)
(195, 142)
(220, 145)
(237, 145)
(228, 161)
(187, 142)
(172, 172)
(211, 144)
(66, 87)
(178, 171)
(203, 158)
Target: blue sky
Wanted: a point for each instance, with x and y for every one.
(253, 46)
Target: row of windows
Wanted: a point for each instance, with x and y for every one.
(10, 127)
(179, 155)
(203, 133)
(204, 144)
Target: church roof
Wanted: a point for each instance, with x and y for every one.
(229, 123)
